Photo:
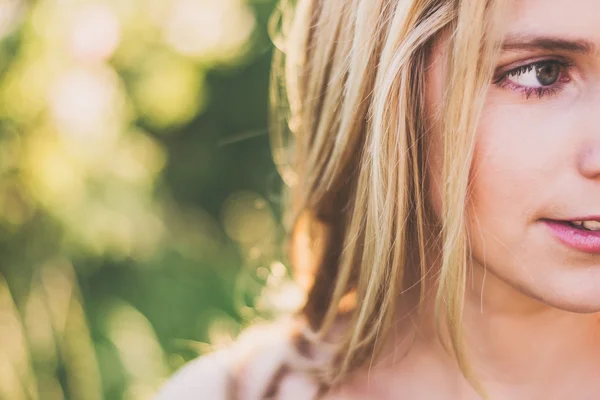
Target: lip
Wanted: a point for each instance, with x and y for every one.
(578, 239)
(587, 218)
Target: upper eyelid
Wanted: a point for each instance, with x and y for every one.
(524, 68)
(509, 66)
(532, 65)
(543, 61)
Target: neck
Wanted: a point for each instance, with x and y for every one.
(519, 347)
(517, 341)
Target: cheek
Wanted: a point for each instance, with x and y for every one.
(499, 183)
(509, 172)
(525, 167)
(519, 158)
(504, 181)
(522, 160)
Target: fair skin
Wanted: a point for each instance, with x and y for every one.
(531, 313)
(531, 318)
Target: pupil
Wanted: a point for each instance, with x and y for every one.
(547, 74)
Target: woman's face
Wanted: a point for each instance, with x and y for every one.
(537, 159)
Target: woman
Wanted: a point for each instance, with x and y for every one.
(446, 163)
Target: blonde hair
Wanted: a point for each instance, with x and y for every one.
(349, 84)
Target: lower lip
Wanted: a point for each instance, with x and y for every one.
(579, 239)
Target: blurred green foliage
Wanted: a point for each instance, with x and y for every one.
(139, 205)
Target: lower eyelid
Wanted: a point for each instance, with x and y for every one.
(539, 92)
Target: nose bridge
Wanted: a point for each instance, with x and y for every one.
(589, 153)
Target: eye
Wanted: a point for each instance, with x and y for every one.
(536, 75)
(541, 78)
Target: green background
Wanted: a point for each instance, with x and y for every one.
(139, 204)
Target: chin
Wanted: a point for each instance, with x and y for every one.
(578, 308)
(585, 302)
(575, 290)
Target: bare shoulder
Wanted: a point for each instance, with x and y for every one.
(207, 375)
(254, 367)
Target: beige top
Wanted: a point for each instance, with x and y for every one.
(255, 367)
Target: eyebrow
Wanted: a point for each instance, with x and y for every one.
(530, 43)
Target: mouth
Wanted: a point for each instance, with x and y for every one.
(582, 234)
(587, 225)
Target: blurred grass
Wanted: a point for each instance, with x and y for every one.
(139, 211)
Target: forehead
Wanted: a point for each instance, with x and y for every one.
(566, 18)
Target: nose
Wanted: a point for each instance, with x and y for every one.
(589, 161)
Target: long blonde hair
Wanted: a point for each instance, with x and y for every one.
(348, 130)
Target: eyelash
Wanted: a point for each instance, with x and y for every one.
(504, 82)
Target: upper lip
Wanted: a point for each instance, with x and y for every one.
(587, 218)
